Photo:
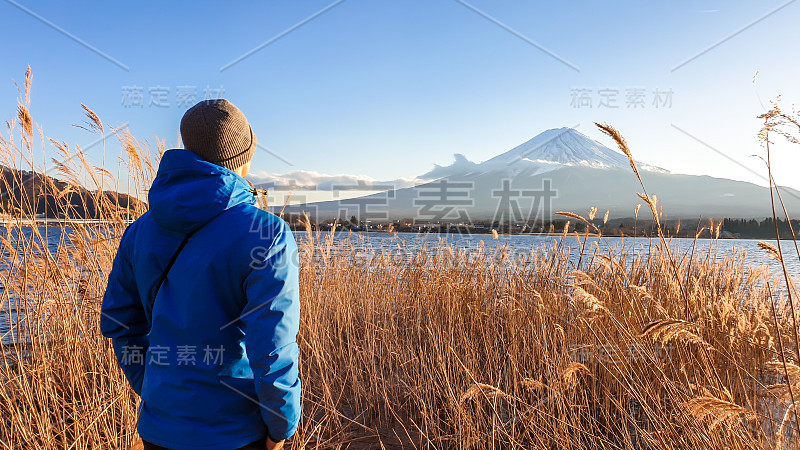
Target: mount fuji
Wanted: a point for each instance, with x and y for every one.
(548, 151)
(558, 170)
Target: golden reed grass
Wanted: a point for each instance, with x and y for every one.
(419, 344)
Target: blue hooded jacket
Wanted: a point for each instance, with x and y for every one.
(214, 357)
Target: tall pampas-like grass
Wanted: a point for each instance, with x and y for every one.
(421, 344)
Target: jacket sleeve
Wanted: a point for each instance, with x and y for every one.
(123, 318)
(270, 320)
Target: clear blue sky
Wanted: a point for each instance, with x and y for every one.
(386, 88)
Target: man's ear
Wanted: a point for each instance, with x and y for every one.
(243, 170)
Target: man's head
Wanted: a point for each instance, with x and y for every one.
(218, 132)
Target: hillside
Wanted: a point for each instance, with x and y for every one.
(45, 196)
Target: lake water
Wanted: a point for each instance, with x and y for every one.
(411, 242)
(632, 246)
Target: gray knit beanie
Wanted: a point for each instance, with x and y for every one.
(219, 133)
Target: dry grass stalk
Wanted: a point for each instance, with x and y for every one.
(572, 373)
(717, 411)
(578, 217)
(771, 250)
(669, 330)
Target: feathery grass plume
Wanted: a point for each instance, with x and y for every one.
(668, 330)
(621, 143)
(718, 411)
(591, 304)
(23, 113)
(781, 391)
(581, 278)
(561, 335)
(285, 203)
(533, 384)
(641, 292)
(771, 250)
(712, 391)
(791, 374)
(89, 169)
(305, 221)
(571, 374)
(700, 232)
(25, 120)
(577, 217)
(68, 189)
(651, 203)
(610, 264)
(28, 83)
(487, 391)
(645, 295)
(605, 218)
(494, 234)
(94, 121)
(132, 152)
(792, 370)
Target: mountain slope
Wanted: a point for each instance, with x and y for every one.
(548, 151)
(35, 194)
(580, 173)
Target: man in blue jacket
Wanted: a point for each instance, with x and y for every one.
(202, 304)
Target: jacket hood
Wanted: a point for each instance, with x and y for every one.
(189, 191)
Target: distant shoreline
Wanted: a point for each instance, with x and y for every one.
(570, 234)
(52, 222)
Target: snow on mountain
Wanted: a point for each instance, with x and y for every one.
(461, 165)
(578, 171)
(550, 150)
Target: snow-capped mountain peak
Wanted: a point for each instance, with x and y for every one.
(564, 146)
(548, 151)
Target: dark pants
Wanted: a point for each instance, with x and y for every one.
(260, 444)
